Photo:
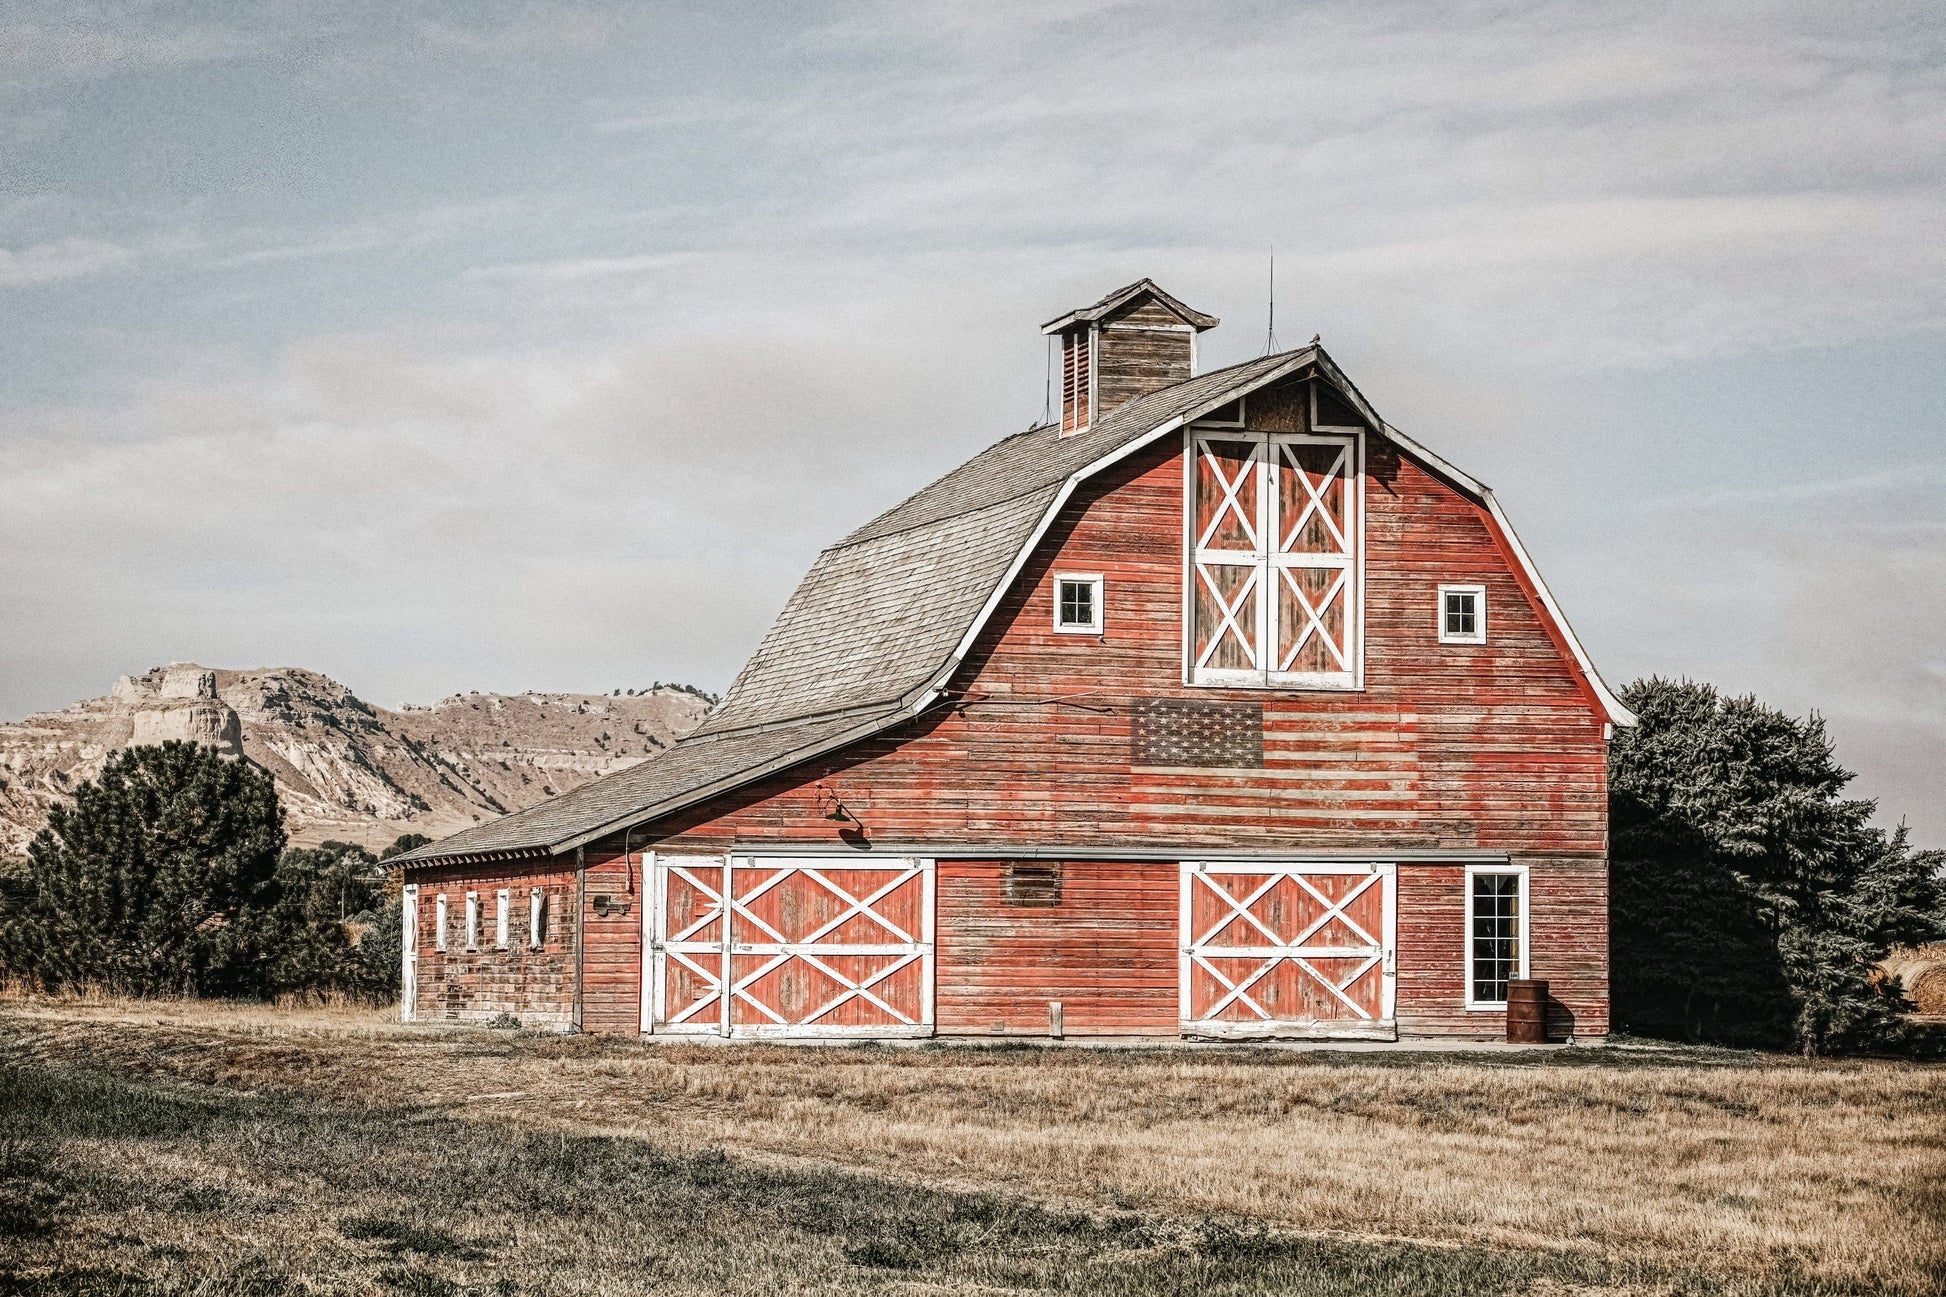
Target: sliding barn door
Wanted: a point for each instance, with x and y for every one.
(1288, 949)
(793, 946)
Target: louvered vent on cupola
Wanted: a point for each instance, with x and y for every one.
(1130, 343)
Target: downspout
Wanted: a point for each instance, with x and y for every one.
(580, 927)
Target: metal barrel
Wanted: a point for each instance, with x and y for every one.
(1527, 1011)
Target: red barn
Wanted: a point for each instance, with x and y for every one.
(1218, 707)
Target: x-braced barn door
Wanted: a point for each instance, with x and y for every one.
(793, 946)
(1288, 949)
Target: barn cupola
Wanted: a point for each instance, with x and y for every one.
(1132, 342)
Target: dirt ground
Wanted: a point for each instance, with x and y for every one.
(948, 1168)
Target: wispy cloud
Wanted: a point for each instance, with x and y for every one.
(65, 259)
(576, 269)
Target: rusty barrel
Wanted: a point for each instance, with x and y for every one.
(1527, 1011)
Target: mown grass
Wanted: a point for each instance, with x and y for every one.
(209, 1151)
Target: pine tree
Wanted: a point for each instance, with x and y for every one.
(159, 879)
(1751, 898)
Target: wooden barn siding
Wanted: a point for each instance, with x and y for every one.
(1568, 946)
(611, 997)
(1107, 951)
(1136, 360)
(477, 986)
(1494, 746)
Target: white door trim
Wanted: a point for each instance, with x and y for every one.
(1379, 949)
(409, 953)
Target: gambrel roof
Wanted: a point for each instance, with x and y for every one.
(877, 627)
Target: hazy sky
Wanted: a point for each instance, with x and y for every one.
(541, 346)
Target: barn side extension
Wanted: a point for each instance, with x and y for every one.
(1217, 707)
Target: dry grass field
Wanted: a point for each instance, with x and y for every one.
(204, 1149)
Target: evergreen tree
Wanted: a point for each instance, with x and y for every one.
(328, 900)
(1751, 899)
(159, 879)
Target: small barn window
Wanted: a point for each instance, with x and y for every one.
(1077, 604)
(439, 922)
(472, 920)
(1462, 614)
(503, 904)
(1035, 884)
(536, 917)
(1496, 934)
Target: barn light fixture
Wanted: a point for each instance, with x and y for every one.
(830, 808)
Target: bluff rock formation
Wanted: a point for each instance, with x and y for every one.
(344, 768)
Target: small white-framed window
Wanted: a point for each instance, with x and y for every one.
(536, 917)
(472, 920)
(439, 922)
(1077, 603)
(1462, 614)
(503, 907)
(1496, 932)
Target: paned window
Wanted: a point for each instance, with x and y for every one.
(536, 917)
(1274, 549)
(1462, 614)
(503, 903)
(472, 920)
(1496, 920)
(439, 922)
(1077, 605)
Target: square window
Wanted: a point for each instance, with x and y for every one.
(1077, 604)
(1462, 614)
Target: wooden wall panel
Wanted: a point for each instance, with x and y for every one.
(1143, 348)
(481, 985)
(1107, 951)
(611, 996)
(1567, 945)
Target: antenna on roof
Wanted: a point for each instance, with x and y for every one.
(1270, 329)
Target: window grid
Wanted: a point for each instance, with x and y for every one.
(1078, 604)
(1495, 939)
(1462, 614)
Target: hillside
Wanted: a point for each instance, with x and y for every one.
(345, 769)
